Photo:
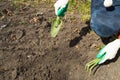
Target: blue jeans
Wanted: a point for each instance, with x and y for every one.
(105, 21)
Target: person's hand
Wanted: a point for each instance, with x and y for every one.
(108, 3)
(109, 51)
(61, 7)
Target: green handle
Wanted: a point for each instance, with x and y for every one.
(61, 11)
(100, 54)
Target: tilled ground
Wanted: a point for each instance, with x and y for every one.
(28, 52)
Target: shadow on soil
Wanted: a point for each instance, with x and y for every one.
(82, 33)
(107, 40)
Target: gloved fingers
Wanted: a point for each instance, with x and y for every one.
(105, 54)
(108, 56)
(56, 10)
(109, 51)
(103, 59)
(60, 4)
(57, 6)
(112, 54)
(63, 6)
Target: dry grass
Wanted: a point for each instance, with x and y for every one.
(81, 6)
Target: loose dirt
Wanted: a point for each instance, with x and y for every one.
(28, 52)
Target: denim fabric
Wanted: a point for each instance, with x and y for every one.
(105, 21)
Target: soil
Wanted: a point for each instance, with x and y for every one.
(28, 52)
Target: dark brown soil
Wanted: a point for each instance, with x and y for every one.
(28, 52)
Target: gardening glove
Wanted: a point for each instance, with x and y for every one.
(61, 7)
(108, 3)
(109, 51)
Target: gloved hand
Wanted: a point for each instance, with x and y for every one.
(109, 51)
(108, 3)
(61, 7)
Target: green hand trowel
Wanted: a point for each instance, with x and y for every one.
(57, 23)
